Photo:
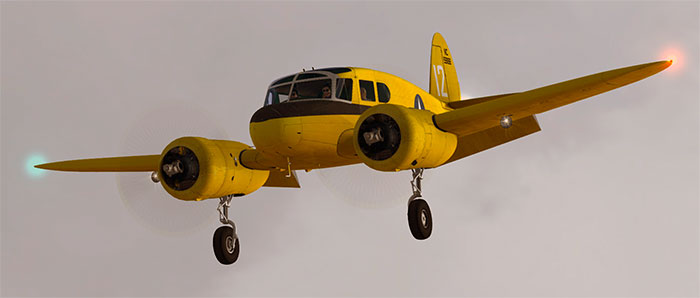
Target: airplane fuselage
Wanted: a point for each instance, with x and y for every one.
(315, 131)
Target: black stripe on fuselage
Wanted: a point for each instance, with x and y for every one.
(306, 108)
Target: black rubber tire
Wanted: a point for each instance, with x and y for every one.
(224, 254)
(421, 229)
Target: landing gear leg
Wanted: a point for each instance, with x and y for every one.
(226, 245)
(420, 221)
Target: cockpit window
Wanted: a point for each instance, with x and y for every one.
(283, 80)
(270, 98)
(335, 70)
(367, 90)
(344, 89)
(383, 92)
(277, 94)
(309, 76)
(312, 89)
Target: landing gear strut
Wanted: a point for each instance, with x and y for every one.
(226, 245)
(420, 221)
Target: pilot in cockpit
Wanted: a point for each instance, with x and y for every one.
(326, 91)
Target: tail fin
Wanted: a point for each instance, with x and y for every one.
(443, 75)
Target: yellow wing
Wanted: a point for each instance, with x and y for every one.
(469, 119)
(142, 163)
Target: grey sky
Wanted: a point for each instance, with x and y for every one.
(602, 202)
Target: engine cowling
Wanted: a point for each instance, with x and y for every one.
(193, 169)
(392, 138)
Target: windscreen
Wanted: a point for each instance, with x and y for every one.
(312, 89)
(277, 94)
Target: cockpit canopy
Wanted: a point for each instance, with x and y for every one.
(319, 84)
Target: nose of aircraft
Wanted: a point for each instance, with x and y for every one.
(270, 132)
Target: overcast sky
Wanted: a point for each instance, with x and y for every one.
(602, 202)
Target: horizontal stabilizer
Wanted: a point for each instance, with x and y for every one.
(481, 116)
(142, 163)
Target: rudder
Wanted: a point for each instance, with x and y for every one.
(443, 75)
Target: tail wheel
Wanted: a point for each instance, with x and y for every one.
(420, 220)
(226, 245)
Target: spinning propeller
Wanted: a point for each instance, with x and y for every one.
(148, 201)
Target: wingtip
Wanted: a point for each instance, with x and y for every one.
(43, 166)
(662, 62)
(655, 67)
(666, 63)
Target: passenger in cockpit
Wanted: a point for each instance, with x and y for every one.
(294, 94)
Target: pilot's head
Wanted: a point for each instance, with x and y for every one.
(294, 94)
(326, 91)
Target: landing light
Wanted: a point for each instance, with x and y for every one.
(506, 121)
(154, 177)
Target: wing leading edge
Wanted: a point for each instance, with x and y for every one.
(146, 163)
(470, 119)
(141, 163)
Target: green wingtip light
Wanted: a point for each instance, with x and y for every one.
(31, 161)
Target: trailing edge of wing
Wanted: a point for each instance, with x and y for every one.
(253, 159)
(142, 163)
(473, 118)
(280, 179)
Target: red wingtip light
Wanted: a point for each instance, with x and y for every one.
(673, 56)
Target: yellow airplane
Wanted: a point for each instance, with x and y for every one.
(340, 116)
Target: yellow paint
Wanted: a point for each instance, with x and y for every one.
(142, 163)
(312, 142)
(220, 173)
(403, 93)
(346, 148)
(321, 141)
(422, 144)
(443, 74)
(487, 114)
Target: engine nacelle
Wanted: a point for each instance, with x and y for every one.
(392, 138)
(193, 169)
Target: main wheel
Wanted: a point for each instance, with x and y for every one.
(420, 221)
(226, 245)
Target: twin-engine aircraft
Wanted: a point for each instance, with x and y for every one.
(339, 116)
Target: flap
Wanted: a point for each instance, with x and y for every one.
(280, 179)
